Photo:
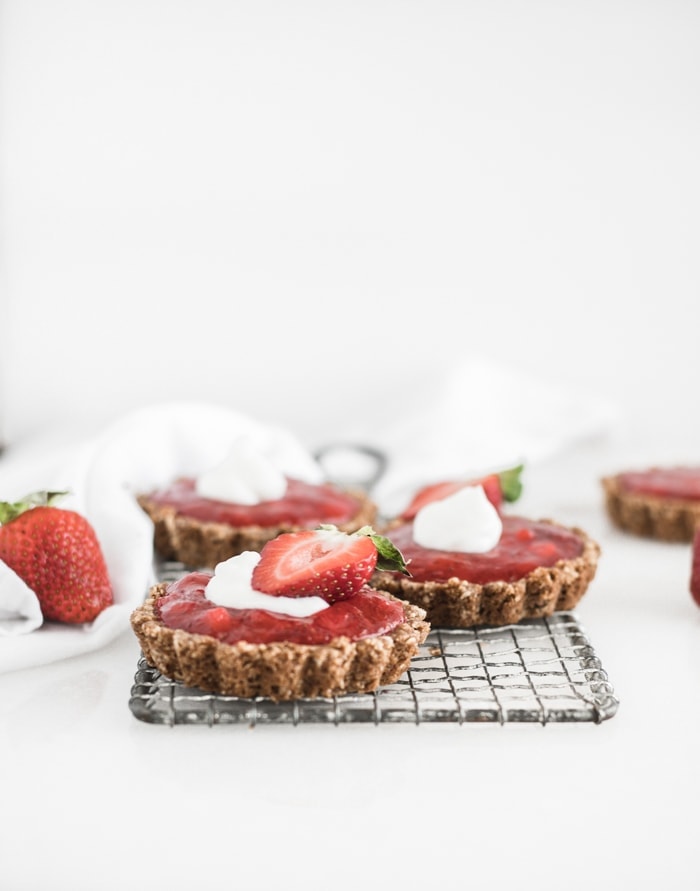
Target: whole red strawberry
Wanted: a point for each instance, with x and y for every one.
(57, 554)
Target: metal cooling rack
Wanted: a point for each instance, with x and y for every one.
(541, 671)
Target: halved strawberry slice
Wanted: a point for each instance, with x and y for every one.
(695, 568)
(499, 487)
(323, 562)
(433, 492)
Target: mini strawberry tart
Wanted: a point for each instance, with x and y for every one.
(295, 620)
(470, 564)
(241, 504)
(658, 502)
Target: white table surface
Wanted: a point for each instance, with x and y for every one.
(93, 798)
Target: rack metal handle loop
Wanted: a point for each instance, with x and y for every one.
(374, 463)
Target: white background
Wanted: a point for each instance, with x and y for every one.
(303, 210)
(296, 208)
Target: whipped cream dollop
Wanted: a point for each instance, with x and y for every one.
(464, 521)
(247, 475)
(232, 586)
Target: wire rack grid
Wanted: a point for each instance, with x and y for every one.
(539, 671)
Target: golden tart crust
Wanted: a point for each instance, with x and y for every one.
(278, 671)
(650, 516)
(204, 544)
(456, 603)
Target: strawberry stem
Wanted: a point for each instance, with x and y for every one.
(10, 510)
(511, 485)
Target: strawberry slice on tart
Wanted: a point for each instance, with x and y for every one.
(324, 562)
(499, 487)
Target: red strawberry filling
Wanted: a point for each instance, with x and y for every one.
(669, 482)
(184, 606)
(304, 504)
(524, 545)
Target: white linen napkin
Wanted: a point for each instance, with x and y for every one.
(19, 607)
(143, 450)
(478, 416)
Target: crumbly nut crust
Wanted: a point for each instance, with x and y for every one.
(278, 671)
(456, 603)
(665, 519)
(202, 544)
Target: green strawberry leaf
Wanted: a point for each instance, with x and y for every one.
(10, 510)
(389, 557)
(511, 485)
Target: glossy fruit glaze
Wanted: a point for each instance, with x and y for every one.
(185, 606)
(524, 545)
(304, 504)
(668, 482)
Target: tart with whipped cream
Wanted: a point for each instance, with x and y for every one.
(241, 504)
(471, 564)
(296, 620)
(657, 502)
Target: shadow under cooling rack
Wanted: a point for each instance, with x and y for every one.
(540, 671)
